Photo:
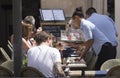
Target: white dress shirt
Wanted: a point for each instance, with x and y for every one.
(92, 32)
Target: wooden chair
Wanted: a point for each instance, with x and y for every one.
(109, 64)
(88, 57)
(10, 44)
(4, 54)
(114, 72)
(4, 72)
(90, 60)
(75, 73)
(8, 64)
(30, 72)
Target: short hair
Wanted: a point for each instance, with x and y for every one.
(90, 11)
(42, 37)
(78, 12)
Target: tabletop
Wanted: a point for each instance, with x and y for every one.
(76, 68)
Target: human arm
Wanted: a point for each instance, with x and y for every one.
(25, 45)
(86, 48)
(59, 70)
(57, 63)
(82, 48)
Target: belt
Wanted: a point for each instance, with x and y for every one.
(107, 44)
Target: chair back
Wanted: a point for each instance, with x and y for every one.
(10, 44)
(8, 64)
(109, 64)
(4, 72)
(90, 60)
(88, 57)
(114, 72)
(30, 72)
(4, 53)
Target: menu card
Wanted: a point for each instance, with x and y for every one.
(47, 15)
(59, 14)
(52, 14)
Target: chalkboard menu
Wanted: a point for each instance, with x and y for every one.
(54, 28)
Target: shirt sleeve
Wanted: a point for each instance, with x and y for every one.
(87, 32)
(56, 55)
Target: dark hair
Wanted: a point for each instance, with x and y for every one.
(79, 9)
(90, 11)
(78, 12)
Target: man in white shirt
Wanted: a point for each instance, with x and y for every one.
(95, 39)
(44, 57)
(105, 24)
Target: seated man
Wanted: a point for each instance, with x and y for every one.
(44, 57)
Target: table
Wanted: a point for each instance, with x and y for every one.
(93, 73)
(75, 67)
(75, 73)
(88, 73)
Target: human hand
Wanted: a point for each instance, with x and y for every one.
(80, 50)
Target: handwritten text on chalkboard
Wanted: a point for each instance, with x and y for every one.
(54, 29)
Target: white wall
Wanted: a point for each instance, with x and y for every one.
(67, 5)
(117, 21)
(100, 5)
